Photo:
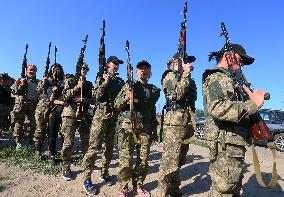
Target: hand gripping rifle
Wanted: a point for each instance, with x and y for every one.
(24, 64)
(133, 115)
(79, 66)
(258, 126)
(102, 52)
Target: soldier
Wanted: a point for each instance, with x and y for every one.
(6, 100)
(49, 90)
(77, 99)
(227, 127)
(181, 93)
(103, 126)
(25, 91)
(136, 133)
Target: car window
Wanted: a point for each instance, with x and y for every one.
(264, 115)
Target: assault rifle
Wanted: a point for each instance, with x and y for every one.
(131, 88)
(79, 66)
(47, 61)
(258, 126)
(24, 64)
(102, 53)
(80, 61)
(182, 41)
(55, 52)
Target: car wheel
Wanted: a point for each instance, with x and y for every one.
(279, 142)
(199, 132)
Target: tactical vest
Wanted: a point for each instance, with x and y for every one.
(188, 99)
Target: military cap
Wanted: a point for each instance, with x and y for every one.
(247, 60)
(114, 60)
(143, 63)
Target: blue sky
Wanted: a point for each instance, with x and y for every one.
(152, 28)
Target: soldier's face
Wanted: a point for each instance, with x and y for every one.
(112, 68)
(31, 71)
(56, 71)
(143, 73)
(84, 70)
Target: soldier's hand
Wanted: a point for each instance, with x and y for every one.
(54, 88)
(80, 84)
(58, 102)
(106, 77)
(23, 80)
(257, 96)
(78, 99)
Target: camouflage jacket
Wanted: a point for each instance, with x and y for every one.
(227, 116)
(44, 91)
(181, 95)
(145, 98)
(24, 92)
(71, 91)
(105, 93)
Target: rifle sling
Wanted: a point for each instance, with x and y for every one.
(273, 182)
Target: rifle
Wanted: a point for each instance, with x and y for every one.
(24, 64)
(258, 126)
(102, 58)
(79, 65)
(133, 115)
(47, 62)
(55, 52)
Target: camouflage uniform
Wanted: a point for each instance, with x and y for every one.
(103, 125)
(71, 122)
(43, 110)
(226, 131)
(26, 99)
(145, 98)
(181, 94)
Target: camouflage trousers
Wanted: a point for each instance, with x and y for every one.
(101, 129)
(4, 116)
(68, 129)
(227, 172)
(173, 157)
(126, 144)
(41, 117)
(27, 109)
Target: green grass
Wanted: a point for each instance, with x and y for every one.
(199, 143)
(24, 158)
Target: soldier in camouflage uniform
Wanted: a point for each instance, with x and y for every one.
(25, 91)
(181, 93)
(6, 100)
(77, 99)
(227, 127)
(103, 126)
(49, 90)
(140, 134)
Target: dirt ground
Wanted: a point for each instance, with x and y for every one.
(195, 181)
